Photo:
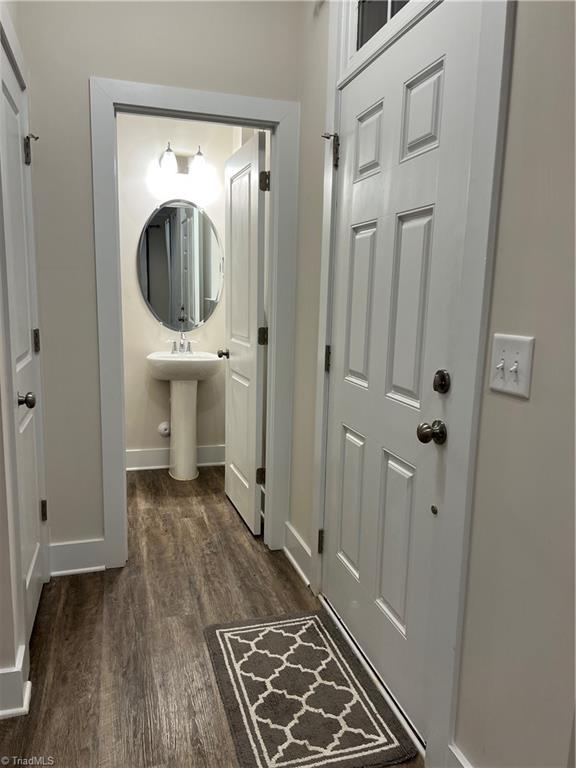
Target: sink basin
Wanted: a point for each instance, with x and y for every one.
(183, 366)
(183, 370)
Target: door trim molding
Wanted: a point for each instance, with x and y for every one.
(495, 55)
(282, 118)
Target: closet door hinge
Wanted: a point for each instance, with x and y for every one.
(327, 357)
(264, 181)
(261, 475)
(263, 336)
(43, 510)
(36, 340)
(28, 148)
(335, 147)
(321, 541)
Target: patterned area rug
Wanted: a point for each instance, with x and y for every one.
(297, 697)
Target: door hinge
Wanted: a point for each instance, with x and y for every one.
(36, 340)
(43, 510)
(28, 148)
(327, 357)
(320, 541)
(264, 181)
(335, 147)
(261, 475)
(263, 336)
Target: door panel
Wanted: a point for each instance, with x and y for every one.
(22, 311)
(244, 271)
(406, 142)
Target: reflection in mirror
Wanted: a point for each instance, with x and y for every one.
(180, 265)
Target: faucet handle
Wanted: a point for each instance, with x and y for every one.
(174, 346)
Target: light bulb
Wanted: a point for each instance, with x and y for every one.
(168, 162)
(197, 163)
(203, 180)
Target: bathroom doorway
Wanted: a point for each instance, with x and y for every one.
(192, 220)
(242, 349)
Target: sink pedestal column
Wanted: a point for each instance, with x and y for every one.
(183, 444)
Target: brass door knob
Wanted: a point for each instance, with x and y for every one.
(223, 353)
(29, 399)
(436, 431)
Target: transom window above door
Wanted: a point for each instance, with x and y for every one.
(373, 15)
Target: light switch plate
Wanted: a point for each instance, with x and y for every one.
(511, 364)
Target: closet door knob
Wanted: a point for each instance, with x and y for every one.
(29, 399)
(223, 353)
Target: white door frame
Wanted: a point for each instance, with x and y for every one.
(496, 34)
(107, 97)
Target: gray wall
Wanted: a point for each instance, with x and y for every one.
(517, 684)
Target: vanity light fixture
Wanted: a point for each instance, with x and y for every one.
(204, 183)
(168, 162)
(197, 164)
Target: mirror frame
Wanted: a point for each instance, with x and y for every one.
(174, 202)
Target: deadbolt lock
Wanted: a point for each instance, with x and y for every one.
(441, 382)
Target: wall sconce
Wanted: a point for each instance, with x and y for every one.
(203, 179)
(168, 161)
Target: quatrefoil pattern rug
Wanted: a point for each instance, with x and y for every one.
(297, 697)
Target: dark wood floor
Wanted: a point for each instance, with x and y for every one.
(120, 673)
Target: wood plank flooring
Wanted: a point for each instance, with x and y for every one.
(120, 672)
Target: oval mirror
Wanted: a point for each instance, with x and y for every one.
(180, 265)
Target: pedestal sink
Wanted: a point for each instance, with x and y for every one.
(183, 370)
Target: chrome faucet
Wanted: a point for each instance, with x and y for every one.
(182, 320)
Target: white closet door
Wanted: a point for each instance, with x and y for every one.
(22, 318)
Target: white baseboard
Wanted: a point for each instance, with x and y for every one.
(70, 557)
(457, 758)
(159, 458)
(15, 688)
(298, 553)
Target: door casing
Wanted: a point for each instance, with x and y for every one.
(282, 119)
(345, 63)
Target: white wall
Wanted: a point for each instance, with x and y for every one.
(250, 48)
(141, 140)
(517, 682)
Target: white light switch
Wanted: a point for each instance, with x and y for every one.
(511, 364)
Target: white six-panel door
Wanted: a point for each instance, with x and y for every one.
(22, 311)
(244, 298)
(406, 145)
